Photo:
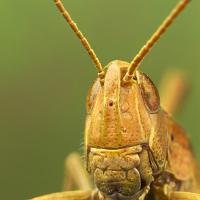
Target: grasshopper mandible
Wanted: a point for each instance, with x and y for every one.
(133, 148)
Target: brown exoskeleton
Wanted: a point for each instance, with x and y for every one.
(133, 148)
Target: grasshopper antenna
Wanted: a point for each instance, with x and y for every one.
(154, 38)
(82, 38)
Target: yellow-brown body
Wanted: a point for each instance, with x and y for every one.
(132, 146)
(134, 150)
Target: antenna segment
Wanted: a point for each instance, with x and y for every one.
(150, 43)
(82, 38)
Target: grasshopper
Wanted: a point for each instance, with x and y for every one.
(134, 150)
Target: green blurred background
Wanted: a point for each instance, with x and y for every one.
(45, 74)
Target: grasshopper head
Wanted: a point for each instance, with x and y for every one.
(125, 137)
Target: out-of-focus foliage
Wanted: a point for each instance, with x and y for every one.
(45, 75)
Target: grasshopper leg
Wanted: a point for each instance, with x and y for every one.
(173, 90)
(69, 195)
(75, 174)
(184, 196)
(75, 177)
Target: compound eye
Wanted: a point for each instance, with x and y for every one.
(149, 92)
(92, 94)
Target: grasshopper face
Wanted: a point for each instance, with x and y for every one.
(126, 134)
(125, 137)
